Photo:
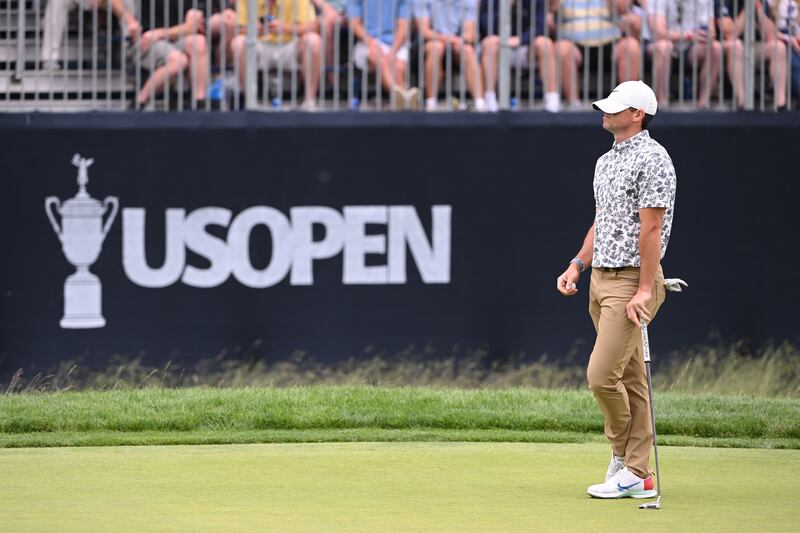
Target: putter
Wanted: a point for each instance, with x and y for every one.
(646, 348)
(671, 285)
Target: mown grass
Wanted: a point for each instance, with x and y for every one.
(721, 368)
(180, 415)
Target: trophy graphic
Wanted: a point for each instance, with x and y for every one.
(81, 234)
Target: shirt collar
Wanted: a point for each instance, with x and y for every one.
(633, 141)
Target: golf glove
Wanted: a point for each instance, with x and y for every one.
(675, 284)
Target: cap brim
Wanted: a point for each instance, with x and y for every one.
(607, 105)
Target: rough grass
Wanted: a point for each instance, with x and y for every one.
(732, 368)
(491, 414)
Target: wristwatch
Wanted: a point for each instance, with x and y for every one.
(580, 263)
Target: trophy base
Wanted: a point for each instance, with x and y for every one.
(82, 323)
(82, 301)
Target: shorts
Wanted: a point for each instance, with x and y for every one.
(156, 56)
(277, 56)
(361, 54)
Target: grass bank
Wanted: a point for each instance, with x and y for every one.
(325, 413)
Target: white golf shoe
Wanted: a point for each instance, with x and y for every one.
(624, 484)
(616, 464)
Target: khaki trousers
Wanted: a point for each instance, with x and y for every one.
(616, 371)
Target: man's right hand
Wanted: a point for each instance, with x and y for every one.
(567, 282)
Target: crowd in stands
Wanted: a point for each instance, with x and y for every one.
(558, 42)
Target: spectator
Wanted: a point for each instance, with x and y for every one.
(172, 43)
(523, 31)
(333, 22)
(288, 38)
(381, 28)
(55, 23)
(589, 23)
(771, 49)
(222, 23)
(684, 27)
(784, 15)
(449, 26)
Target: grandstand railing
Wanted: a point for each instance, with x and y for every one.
(102, 62)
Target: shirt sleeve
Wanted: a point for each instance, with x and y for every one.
(354, 8)
(658, 7)
(402, 9)
(419, 9)
(657, 181)
(241, 12)
(470, 10)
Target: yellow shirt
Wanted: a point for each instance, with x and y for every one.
(287, 11)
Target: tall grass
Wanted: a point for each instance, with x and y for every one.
(772, 370)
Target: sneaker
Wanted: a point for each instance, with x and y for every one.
(309, 106)
(624, 484)
(616, 464)
(412, 99)
(397, 98)
(430, 104)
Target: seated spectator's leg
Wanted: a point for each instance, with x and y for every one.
(223, 23)
(176, 63)
(546, 54)
(197, 49)
(775, 54)
(490, 53)
(309, 55)
(709, 70)
(661, 51)
(377, 59)
(434, 52)
(240, 59)
(734, 54)
(628, 59)
(570, 57)
(55, 22)
(631, 25)
(399, 74)
(796, 73)
(328, 27)
(468, 61)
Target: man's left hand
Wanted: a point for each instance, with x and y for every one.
(637, 307)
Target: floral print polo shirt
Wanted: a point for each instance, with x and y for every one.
(634, 174)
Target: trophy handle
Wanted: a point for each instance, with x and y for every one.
(114, 207)
(48, 203)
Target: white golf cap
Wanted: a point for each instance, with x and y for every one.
(635, 94)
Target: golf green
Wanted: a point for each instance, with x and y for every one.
(386, 486)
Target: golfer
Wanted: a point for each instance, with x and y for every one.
(634, 191)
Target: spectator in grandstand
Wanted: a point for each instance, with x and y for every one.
(527, 26)
(770, 48)
(55, 24)
(784, 15)
(288, 40)
(222, 23)
(172, 43)
(332, 14)
(684, 27)
(588, 25)
(381, 28)
(449, 26)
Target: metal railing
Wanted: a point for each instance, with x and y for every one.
(552, 55)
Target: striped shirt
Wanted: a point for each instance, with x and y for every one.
(587, 22)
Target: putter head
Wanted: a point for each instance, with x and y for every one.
(651, 505)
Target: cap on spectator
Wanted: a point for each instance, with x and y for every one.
(635, 94)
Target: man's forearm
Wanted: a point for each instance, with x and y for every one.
(587, 250)
(650, 256)
(358, 30)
